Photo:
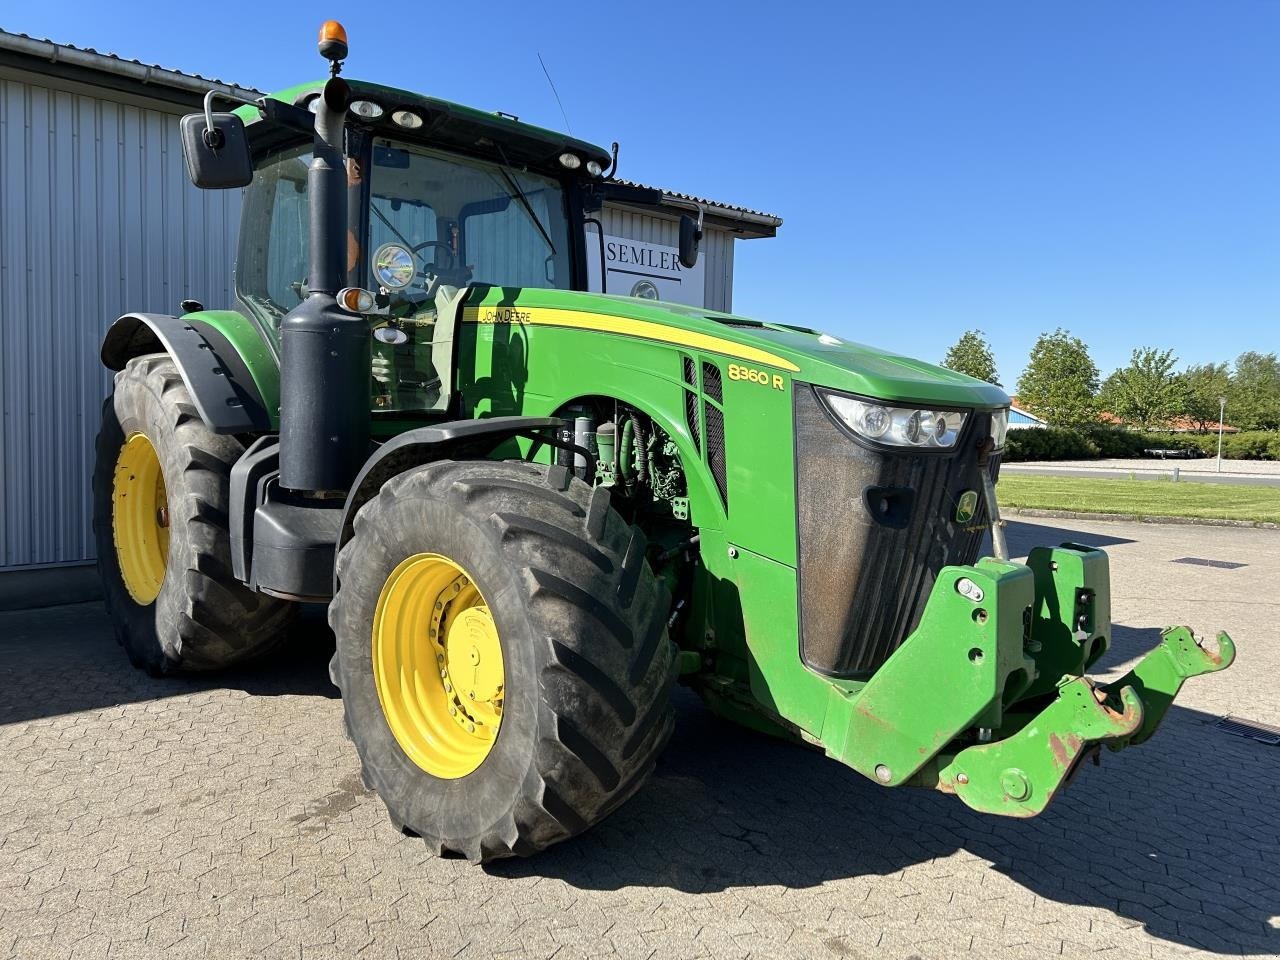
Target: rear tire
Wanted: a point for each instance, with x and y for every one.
(201, 618)
(581, 622)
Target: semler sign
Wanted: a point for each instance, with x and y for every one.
(649, 270)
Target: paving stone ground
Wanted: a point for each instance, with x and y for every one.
(225, 818)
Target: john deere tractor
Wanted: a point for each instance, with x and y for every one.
(532, 509)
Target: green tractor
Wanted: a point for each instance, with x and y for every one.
(532, 509)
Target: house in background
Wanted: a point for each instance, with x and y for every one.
(1020, 419)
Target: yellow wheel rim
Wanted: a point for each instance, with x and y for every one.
(437, 665)
(140, 519)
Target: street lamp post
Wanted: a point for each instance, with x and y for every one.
(1222, 412)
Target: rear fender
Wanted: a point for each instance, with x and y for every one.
(225, 363)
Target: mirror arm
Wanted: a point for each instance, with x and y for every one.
(212, 137)
(613, 163)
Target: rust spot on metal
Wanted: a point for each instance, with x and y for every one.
(1215, 656)
(353, 251)
(878, 720)
(1061, 754)
(355, 172)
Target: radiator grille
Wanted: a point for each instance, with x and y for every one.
(864, 582)
(715, 450)
(691, 418)
(711, 384)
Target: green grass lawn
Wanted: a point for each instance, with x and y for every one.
(1144, 498)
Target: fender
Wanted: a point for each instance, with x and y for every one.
(459, 438)
(217, 353)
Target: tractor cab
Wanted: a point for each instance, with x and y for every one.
(436, 204)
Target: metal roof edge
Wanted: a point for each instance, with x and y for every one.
(742, 218)
(71, 61)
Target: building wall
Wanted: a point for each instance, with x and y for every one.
(716, 248)
(97, 218)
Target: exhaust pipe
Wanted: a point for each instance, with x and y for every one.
(324, 349)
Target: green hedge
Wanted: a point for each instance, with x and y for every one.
(1100, 442)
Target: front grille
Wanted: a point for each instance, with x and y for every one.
(711, 384)
(691, 418)
(715, 451)
(874, 530)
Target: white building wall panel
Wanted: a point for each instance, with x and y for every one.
(97, 218)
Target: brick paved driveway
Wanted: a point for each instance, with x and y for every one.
(225, 819)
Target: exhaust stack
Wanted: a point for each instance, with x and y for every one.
(324, 349)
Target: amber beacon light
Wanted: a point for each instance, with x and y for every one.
(333, 40)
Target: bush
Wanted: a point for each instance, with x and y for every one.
(1049, 443)
(1118, 442)
(1102, 442)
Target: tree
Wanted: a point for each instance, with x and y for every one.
(1254, 400)
(1060, 381)
(1202, 385)
(1146, 393)
(971, 355)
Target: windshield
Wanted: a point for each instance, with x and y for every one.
(456, 221)
(438, 222)
(466, 221)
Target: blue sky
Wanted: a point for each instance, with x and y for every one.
(1112, 168)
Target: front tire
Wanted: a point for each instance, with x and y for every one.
(161, 483)
(573, 699)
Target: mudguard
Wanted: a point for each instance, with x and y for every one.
(216, 373)
(458, 439)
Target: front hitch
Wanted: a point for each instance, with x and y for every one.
(987, 698)
(1017, 777)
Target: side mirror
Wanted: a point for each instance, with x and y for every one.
(216, 150)
(690, 237)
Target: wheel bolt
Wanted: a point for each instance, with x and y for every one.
(471, 728)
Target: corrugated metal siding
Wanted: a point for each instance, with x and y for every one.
(717, 248)
(97, 218)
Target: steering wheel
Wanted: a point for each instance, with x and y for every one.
(430, 243)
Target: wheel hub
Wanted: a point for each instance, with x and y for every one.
(140, 519)
(438, 665)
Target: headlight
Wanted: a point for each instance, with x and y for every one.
(898, 426)
(394, 266)
(407, 119)
(366, 109)
(999, 426)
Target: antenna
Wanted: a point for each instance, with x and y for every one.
(557, 95)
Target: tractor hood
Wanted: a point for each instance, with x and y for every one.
(803, 353)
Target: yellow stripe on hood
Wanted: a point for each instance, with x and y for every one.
(625, 327)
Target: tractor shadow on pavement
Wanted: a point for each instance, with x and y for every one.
(1021, 537)
(1178, 835)
(60, 660)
